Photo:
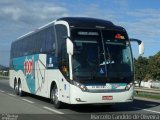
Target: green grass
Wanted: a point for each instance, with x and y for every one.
(148, 95)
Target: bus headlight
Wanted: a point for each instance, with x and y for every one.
(81, 86)
(129, 86)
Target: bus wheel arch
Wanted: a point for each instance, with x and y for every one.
(54, 95)
(52, 85)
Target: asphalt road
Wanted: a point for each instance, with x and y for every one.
(33, 107)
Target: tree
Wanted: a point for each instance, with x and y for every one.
(141, 66)
(147, 68)
(154, 66)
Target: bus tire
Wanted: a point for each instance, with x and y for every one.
(54, 98)
(20, 92)
(16, 87)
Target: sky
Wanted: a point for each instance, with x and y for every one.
(141, 19)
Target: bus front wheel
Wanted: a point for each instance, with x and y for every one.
(54, 97)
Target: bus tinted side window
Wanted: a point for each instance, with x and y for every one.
(50, 39)
(37, 43)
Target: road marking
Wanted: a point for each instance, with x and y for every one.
(28, 101)
(50, 109)
(1, 91)
(151, 111)
(147, 110)
(11, 94)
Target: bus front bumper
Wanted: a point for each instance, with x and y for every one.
(77, 96)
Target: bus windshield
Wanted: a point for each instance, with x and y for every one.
(101, 55)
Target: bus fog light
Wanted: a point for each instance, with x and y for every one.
(78, 99)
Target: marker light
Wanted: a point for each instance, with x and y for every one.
(129, 86)
(119, 36)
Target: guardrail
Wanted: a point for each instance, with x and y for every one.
(148, 90)
(4, 77)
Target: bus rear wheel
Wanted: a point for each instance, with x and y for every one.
(20, 92)
(16, 88)
(54, 98)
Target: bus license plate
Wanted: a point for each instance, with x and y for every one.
(107, 97)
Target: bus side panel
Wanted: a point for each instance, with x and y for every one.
(46, 72)
(12, 77)
(37, 79)
(62, 84)
(65, 89)
(31, 71)
(16, 76)
(40, 76)
(24, 70)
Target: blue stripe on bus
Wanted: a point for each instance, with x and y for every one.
(19, 65)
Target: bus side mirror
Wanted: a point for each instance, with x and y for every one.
(141, 48)
(69, 46)
(141, 45)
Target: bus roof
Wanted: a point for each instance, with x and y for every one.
(36, 30)
(81, 22)
(85, 22)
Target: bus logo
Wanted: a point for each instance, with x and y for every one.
(28, 66)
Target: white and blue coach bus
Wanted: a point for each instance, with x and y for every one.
(75, 60)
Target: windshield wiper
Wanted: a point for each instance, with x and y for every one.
(109, 59)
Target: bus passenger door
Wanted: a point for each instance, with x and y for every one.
(63, 62)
